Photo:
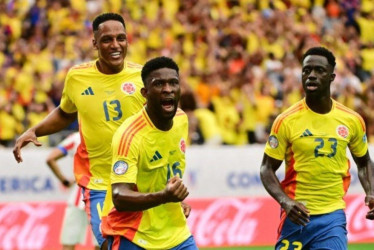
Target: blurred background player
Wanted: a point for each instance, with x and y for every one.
(142, 208)
(312, 137)
(75, 223)
(102, 93)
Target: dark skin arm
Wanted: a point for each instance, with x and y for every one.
(365, 174)
(295, 211)
(52, 163)
(126, 199)
(54, 122)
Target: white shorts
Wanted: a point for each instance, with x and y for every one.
(74, 227)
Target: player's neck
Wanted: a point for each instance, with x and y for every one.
(321, 105)
(108, 70)
(161, 124)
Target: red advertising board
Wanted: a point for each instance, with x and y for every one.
(213, 222)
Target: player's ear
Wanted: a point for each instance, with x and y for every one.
(143, 91)
(94, 43)
(332, 77)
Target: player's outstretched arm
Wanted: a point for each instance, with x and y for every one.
(52, 158)
(54, 122)
(365, 169)
(125, 198)
(295, 211)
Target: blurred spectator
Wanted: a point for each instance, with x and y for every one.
(240, 58)
(203, 126)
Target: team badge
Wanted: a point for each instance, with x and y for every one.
(128, 88)
(342, 131)
(120, 167)
(273, 141)
(182, 145)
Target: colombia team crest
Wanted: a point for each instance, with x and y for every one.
(128, 88)
(182, 145)
(342, 131)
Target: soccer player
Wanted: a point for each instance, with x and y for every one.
(103, 93)
(312, 137)
(75, 221)
(142, 208)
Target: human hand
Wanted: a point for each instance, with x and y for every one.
(66, 183)
(369, 201)
(186, 209)
(175, 190)
(23, 140)
(296, 212)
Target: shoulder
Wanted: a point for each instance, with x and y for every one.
(135, 66)
(133, 125)
(349, 114)
(83, 66)
(181, 115)
(129, 133)
(80, 69)
(289, 114)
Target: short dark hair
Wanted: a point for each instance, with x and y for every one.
(321, 51)
(158, 63)
(106, 17)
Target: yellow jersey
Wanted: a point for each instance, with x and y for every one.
(314, 149)
(148, 157)
(103, 102)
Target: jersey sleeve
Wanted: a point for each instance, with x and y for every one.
(358, 144)
(124, 164)
(69, 144)
(277, 143)
(66, 103)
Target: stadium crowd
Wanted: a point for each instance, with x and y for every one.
(239, 59)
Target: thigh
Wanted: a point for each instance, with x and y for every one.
(317, 234)
(121, 243)
(94, 200)
(333, 232)
(291, 236)
(188, 244)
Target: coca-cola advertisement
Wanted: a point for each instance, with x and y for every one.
(214, 222)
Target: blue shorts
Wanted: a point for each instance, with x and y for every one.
(94, 200)
(325, 231)
(121, 243)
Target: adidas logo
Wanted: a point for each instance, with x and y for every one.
(88, 91)
(306, 133)
(156, 156)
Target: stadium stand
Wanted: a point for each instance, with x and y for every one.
(240, 59)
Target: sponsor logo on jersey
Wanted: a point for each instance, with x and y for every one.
(273, 141)
(182, 145)
(306, 133)
(120, 167)
(128, 88)
(342, 131)
(156, 156)
(88, 91)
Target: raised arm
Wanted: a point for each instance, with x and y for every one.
(125, 198)
(54, 122)
(365, 174)
(295, 211)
